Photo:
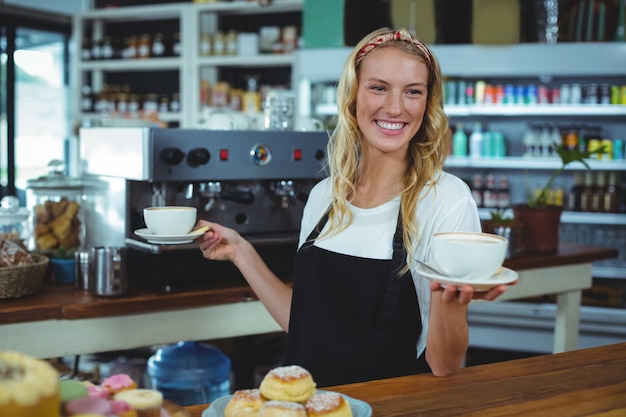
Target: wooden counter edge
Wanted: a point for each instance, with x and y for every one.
(392, 390)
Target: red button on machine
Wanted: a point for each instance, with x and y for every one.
(223, 154)
(297, 154)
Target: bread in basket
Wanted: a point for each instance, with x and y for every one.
(21, 272)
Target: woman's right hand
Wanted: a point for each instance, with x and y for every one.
(219, 243)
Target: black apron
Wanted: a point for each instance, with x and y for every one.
(353, 319)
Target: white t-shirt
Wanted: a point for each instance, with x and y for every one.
(448, 206)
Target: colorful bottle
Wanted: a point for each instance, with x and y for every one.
(476, 141)
(459, 141)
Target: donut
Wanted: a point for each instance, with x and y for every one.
(288, 383)
(282, 409)
(28, 386)
(327, 404)
(87, 405)
(122, 409)
(244, 403)
(70, 389)
(118, 382)
(146, 402)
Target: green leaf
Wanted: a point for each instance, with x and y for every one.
(567, 157)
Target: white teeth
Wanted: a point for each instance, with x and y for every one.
(390, 126)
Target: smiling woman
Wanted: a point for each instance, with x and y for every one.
(364, 228)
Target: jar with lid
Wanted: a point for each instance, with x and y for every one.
(55, 204)
(14, 224)
(278, 108)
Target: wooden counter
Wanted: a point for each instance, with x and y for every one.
(74, 322)
(588, 382)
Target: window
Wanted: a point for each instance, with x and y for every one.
(34, 98)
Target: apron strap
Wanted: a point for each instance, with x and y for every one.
(395, 278)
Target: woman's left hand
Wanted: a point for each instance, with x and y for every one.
(465, 294)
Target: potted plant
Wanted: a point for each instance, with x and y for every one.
(540, 219)
(63, 265)
(502, 224)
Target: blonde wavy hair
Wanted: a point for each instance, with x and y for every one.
(427, 150)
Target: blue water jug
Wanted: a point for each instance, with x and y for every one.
(189, 373)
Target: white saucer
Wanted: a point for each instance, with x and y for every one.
(167, 239)
(505, 276)
(359, 408)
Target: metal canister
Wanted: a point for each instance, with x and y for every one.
(84, 275)
(109, 271)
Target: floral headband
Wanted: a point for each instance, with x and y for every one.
(399, 35)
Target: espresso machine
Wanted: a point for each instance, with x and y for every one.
(255, 182)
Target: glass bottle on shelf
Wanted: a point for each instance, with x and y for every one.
(597, 198)
(130, 48)
(144, 46)
(529, 142)
(86, 99)
(158, 46)
(175, 103)
(573, 197)
(85, 53)
(176, 44)
(476, 141)
(586, 195)
(231, 42)
(459, 141)
(219, 43)
(106, 48)
(134, 105)
(490, 192)
(164, 104)
(477, 189)
(504, 193)
(206, 47)
(96, 49)
(611, 196)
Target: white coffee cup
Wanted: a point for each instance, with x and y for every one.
(468, 255)
(170, 220)
(308, 124)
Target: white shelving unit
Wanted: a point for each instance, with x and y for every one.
(190, 66)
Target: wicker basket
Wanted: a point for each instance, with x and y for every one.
(18, 281)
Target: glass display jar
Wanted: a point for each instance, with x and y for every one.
(14, 224)
(55, 202)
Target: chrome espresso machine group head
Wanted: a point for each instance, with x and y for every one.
(255, 182)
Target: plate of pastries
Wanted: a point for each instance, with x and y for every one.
(32, 387)
(287, 391)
